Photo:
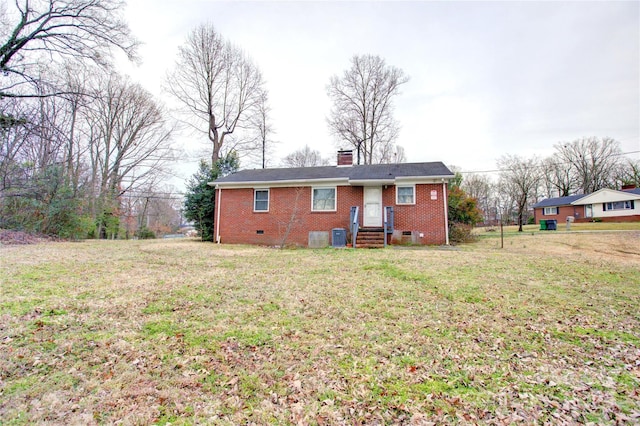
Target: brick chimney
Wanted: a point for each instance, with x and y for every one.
(624, 187)
(345, 158)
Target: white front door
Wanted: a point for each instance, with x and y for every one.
(372, 215)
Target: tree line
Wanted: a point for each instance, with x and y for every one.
(86, 152)
(582, 166)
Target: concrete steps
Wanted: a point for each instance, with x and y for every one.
(370, 238)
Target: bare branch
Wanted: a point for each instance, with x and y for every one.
(362, 113)
(219, 87)
(78, 30)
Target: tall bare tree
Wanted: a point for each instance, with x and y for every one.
(263, 131)
(39, 32)
(218, 86)
(305, 157)
(593, 162)
(129, 143)
(519, 182)
(362, 112)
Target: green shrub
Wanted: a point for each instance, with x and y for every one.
(145, 233)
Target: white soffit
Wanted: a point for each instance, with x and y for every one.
(606, 196)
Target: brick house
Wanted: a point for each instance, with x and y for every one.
(607, 205)
(309, 206)
(558, 208)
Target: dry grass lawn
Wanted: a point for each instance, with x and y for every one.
(546, 330)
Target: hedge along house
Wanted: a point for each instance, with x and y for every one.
(607, 205)
(375, 204)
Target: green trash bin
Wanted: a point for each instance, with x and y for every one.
(543, 225)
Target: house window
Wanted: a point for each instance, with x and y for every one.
(550, 211)
(588, 210)
(619, 205)
(261, 200)
(406, 194)
(323, 199)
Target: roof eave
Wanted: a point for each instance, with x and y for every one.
(280, 183)
(424, 179)
(371, 182)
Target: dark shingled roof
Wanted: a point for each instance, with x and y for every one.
(362, 172)
(633, 191)
(558, 201)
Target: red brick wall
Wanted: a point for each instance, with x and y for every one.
(576, 211)
(239, 223)
(634, 218)
(426, 216)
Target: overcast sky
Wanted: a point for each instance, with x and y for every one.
(487, 78)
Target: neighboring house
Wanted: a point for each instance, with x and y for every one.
(607, 205)
(558, 208)
(303, 206)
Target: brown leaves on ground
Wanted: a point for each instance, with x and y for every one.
(544, 332)
(9, 237)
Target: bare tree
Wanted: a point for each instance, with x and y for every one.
(286, 226)
(593, 162)
(519, 181)
(390, 153)
(218, 86)
(129, 143)
(481, 188)
(558, 178)
(263, 130)
(362, 112)
(305, 157)
(15, 132)
(40, 32)
(629, 173)
(76, 80)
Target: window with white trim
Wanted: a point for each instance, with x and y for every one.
(323, 199)
(618, 205)
(261, 200)
(549, 211)
(588, 210)
(406, 194)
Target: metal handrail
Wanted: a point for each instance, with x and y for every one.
(388, 222)
(355, 224)
(388, 219)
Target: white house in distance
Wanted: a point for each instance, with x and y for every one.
(607, 205)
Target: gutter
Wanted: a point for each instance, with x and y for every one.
(446, 211)
(217, 219)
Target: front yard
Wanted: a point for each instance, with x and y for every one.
(176, 331)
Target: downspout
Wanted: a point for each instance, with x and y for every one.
(217, 223)
(446, 211)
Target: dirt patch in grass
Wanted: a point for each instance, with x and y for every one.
(601, 247)
(175, 331)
